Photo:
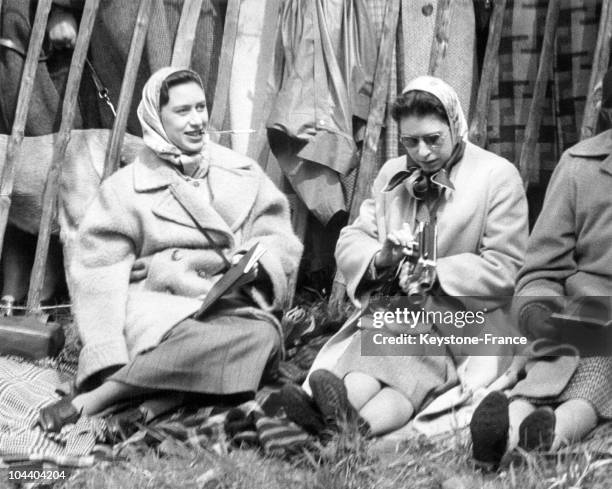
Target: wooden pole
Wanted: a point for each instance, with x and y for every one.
(111, 162)
(368, 166)
(600, 65)
(441, 36)
(529, 166)
(478, 127)
(49, 200)
(21, 112)
(220, 100)
(185, 35)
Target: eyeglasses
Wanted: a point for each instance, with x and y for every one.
(432, 141)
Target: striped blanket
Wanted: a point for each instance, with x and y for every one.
(24, 389)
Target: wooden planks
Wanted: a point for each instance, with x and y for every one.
(220, 101)
(439, 44)
(50, 194)
(21, 112)
(529, 165)
(601, 60)
(186, 33)
(368, 166)
(111, 162)
(478, 126)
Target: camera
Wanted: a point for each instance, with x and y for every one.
(418, 277)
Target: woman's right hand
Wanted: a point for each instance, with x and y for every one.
(398, 244)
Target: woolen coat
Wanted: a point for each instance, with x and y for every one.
(482, 235)
(569, 251)
(143, 220)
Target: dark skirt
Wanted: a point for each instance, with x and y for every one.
(225, 354)
(418, 378)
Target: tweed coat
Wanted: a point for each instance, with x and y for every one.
(141, 224)
(482, 234)
(569, 255)
(569, 251)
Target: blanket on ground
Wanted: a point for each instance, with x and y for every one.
(24, 389)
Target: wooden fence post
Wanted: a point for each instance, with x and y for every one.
(367, 166)
(478, 127)
(220, 100)
(111, 163)
(49, 199)
(21, 112)
(529, 167)
(601, 59)
(185, 34)
(441, 36)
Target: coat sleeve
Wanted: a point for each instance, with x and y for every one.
(493, 269)
(550, 254)
(99, 279)
(360, 241)
(269, 225)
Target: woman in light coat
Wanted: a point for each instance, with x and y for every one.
(478, 201)
(155, 239)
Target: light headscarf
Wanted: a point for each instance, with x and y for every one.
(416, 182)
(154, 134)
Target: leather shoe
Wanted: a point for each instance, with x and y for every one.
(301, 409)
(54, 417)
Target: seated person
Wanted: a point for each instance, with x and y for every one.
(154, 240)
(478, 202)
(568, 256)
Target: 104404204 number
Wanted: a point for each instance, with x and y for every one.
(36, 475)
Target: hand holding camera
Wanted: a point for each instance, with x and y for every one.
(399, 245)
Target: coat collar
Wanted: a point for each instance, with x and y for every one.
(597, 147)
(231, 179)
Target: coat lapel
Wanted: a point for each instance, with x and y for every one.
(232, 182)
(186, 201)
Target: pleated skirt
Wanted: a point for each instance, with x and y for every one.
(225, 354)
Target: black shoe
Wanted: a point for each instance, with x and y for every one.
(54, 417)
(489, 429)
(329, 394)
(537, 430)
(124, 424)
(301, 409)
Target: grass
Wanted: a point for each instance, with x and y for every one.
(349, 461)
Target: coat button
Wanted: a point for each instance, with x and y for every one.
(202, 274)
(427, 9)
(196, 183)
(176, 255)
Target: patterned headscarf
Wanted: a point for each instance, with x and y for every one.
(154, 134)
(417, 183)
(449, 100)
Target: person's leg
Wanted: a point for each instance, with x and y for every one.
(575, 419)
(388, 410)
(107, 394)
(360, 388)
(518, 410)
